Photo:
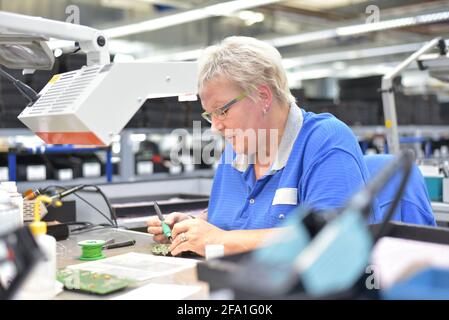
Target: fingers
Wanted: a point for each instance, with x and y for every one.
(155, 226)
(178, 246)
(175, 217)
(170, 219)
(154, 230)
(180, 227)
(160, 238)
(158, 235)
(178, 240)
(173, 220)
(183, 234)
(154, 222)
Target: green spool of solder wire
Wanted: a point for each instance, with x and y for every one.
(92, 250)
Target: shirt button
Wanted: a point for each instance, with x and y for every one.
(281, 216)
(251, 201)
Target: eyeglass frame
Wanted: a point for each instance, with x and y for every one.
(222, 112)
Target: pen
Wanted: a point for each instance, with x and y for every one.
(120, 244)
(165, 228)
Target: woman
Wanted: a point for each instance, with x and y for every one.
(278, 156)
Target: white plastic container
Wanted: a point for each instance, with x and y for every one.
(9, 213)
(16, 197)
(41, 284)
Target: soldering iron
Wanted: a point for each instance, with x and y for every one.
(165, 228)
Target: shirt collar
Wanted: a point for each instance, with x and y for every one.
(242, 161)
(293, 126)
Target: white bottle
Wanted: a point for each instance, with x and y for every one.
(8, 213)
(41, 283)
(16, 197)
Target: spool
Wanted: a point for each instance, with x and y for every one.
(92, 250)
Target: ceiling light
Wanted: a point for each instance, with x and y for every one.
(358, 29)
(250, 17)
(186, 16)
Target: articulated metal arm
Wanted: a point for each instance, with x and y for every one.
(389, 106)
(91, 41)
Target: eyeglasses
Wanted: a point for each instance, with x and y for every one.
(220, 113)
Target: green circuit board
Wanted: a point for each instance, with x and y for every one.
(91, 282)
(161, 249)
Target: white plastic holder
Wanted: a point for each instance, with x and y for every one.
(214, 251)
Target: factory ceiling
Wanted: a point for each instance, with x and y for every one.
(337, 33)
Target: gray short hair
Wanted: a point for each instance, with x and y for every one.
(248, 63)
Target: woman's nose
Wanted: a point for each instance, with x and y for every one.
(217, 125)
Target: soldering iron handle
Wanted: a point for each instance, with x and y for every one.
(158, 211)
(166, 230)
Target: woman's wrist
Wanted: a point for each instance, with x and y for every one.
(223, 239)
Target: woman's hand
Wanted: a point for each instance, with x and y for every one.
(155, 226)
(193, 235)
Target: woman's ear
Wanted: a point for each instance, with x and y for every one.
(266, 97)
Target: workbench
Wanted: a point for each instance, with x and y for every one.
(68, 252)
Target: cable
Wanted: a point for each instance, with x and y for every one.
(24, 89)
(7, 75)
(93, 228)
(106, 200)
(87, 225)
(88, 203)
(96, 209)
(84, 225)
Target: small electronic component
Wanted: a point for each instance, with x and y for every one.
(161, 249)
(91, 282)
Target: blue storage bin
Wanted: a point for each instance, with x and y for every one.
(429, 284)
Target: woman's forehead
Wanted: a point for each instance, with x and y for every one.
(219, 89)
(220, 82)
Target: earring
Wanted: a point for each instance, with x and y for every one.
(265, 110)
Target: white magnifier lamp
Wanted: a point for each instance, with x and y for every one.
(91, 105)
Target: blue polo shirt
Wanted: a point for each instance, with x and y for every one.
(319, 163)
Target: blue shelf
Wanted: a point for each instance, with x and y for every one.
(12, 156)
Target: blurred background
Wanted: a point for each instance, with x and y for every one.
(335, 53)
